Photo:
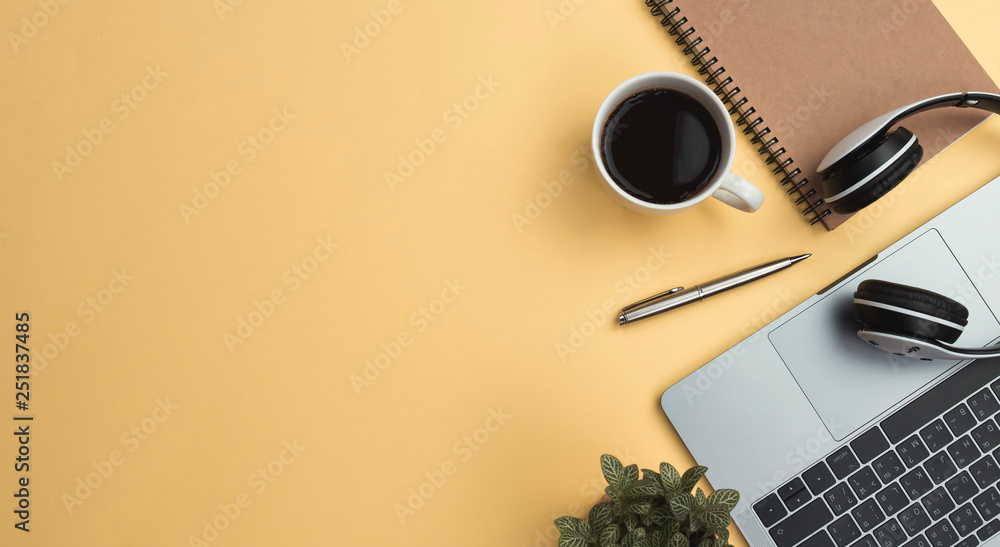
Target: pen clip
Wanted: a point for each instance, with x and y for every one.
(652, 298)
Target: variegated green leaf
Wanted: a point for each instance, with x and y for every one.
(645, 488)
(657, 539)
(610, 535)
(680, 506)
(725, 499)
(660, 515)
(570, 525)
(707, 542)
(669, 477)
(672, 528)
(650, 474)
(719, 542)
(640, 508)
(724, 535)
(567, 541)
(700, 501)
(601, 515)
(612, 469)
(715, 520)
(692, 476)
(678, 539)
(631, 476)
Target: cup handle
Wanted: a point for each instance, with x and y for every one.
(740, 193)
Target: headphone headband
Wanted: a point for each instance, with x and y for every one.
(877, 128)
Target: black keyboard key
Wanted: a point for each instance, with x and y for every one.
(960, 419)
(938, 399)
(987, 436)
(988, 503)
(798, 499)
(914, 519)
(844, 531)
(843, 462)
(819, 540)
(939, 467)
(937, 503)
(936, 436)
(790, 488)
(867, 541)
(769, 510)
(964, 451)
(892, 499)
(985, 471)
(818, 478)
(965, 519)
(888, 467)
(868, 515)
(864, 482)
(961, 487)
(890, 534)
(840, 498)
(991, 529)
(983, 404)
(912, 451)
(970, 541)
(870, 444)
(919, 541)
(801, 524)
(915, 483)
(942, 534)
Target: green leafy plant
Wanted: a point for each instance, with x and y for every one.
(658, 510)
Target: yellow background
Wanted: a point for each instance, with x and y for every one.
(495, 347)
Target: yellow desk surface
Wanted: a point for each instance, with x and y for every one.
(244, 332)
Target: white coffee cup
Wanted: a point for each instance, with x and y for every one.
(725, 186)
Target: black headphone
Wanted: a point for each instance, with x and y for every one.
(913, 322)
(870, 161)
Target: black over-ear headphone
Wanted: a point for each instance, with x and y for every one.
(913, 322)
(870, 161)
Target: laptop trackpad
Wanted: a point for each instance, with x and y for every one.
(848, 382)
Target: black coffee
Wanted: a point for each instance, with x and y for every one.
(661, 146)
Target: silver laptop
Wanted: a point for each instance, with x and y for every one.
(832, 443)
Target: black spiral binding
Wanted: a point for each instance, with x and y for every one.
(677, 25)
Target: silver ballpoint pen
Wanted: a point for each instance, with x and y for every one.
(679, 296)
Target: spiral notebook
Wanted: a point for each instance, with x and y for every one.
(799, 76)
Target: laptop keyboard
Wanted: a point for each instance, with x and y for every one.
(926, 476)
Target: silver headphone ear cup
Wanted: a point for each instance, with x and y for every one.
(909, 311)
(867, 176)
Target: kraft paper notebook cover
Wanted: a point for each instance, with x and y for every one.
(800, 76)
